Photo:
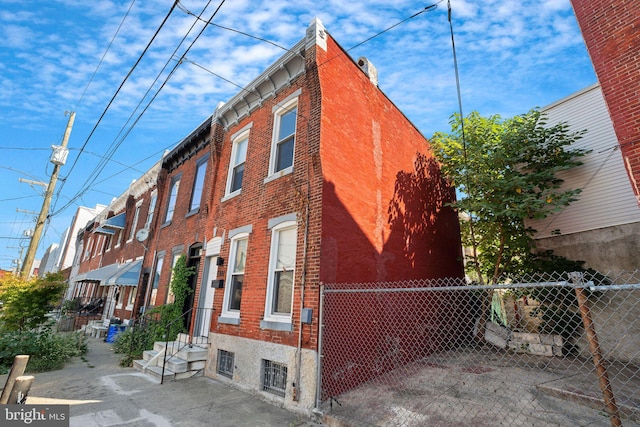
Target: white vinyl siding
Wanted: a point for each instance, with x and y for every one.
(607, 198)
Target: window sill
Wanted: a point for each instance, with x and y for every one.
(231, 195)
(192, 212)
(279, 174)
(166, 224)
(276, 326)
(229, 320)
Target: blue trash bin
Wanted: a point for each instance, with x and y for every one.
(113, 331)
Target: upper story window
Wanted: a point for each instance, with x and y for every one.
(173, 197)
(236, 166)
(284, 136)
(235, 175)
(120, 232)
(134, 223)
(198, 184)
(87, 252)
(152, 208)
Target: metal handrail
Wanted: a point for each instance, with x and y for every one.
(166, 344)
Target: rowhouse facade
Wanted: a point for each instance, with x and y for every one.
(310, 174)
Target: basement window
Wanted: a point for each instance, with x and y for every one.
(225, 363)
(274, 377)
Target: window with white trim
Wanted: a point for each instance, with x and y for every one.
(282, 261)
(171, 297)
(236, 164)
(198, 184)
(134, 224)
(87, 252)
(284, 137)
(156, 278)
(120, 232)
(132, 297)
(173, 197)
(235, 275)
(152, 208)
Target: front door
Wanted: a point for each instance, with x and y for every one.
(194, 261)
(207, 289)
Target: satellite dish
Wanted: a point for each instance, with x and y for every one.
(142, 235)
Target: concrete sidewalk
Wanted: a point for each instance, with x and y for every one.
(101, 393)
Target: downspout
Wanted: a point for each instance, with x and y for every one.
(296, 395)
(317, 409)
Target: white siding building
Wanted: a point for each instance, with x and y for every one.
(603, 226)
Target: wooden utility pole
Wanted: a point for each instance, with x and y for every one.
(44, 212)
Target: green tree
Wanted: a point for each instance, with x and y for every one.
(506, 171)
(27, 302)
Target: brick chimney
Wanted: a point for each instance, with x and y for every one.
(611, 31)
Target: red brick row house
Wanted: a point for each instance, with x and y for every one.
(309, 174)
(108, 261)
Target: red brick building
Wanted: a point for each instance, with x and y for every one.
(611, 31)
(108, 260)
(310, 174)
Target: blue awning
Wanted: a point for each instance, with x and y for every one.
(116, 221)
(99, 274)
(127, 275)
(104, 230)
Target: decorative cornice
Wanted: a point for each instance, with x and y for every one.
(278, 76)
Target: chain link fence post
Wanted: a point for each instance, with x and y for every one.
(594, 345)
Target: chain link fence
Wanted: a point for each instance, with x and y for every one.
(560, 349)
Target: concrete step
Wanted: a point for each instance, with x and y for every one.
(193, 354)
(175, 364)
(139, 365)
(156, 372)
(149, 354)
(182, 350)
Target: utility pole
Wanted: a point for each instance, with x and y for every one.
(58, 158)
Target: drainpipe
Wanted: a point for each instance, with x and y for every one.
(317, 409)
(296, 394)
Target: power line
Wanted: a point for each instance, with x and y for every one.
(188, 12)
(105, 53)
(121, 85)
(242, 88)
(88, 183)
(110, 103)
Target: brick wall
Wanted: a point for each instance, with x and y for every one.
(185, 228)
(383, 201)
(259, 202)
(611, 31)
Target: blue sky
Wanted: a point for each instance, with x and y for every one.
(513, 55)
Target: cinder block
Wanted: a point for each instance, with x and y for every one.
(541, 349)
(526, 337)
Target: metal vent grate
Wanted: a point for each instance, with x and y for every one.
(225, 363)
(274, 377)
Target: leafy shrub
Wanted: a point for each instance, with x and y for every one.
(47, 350)
(162, 323)
(27, 302)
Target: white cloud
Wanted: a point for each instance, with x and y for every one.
(513, 55)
